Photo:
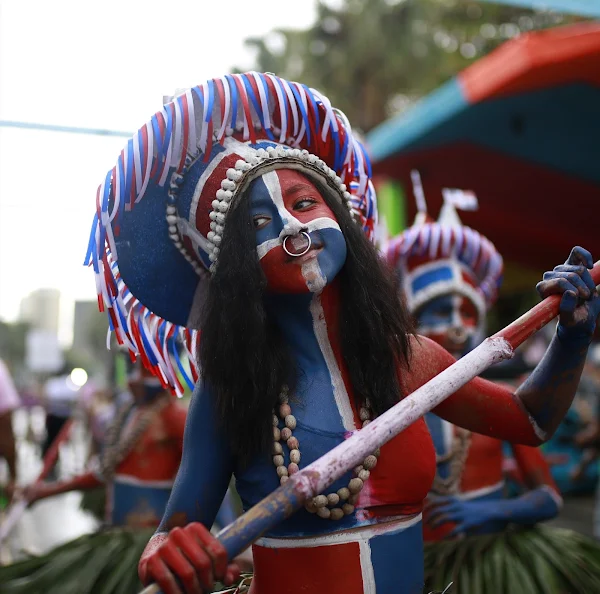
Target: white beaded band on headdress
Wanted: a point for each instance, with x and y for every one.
(247, 169)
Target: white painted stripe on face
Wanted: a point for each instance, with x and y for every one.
(313, 275)
(315, 225)
(271, 181)
(337, 383)
(366, 567)
(393, 526)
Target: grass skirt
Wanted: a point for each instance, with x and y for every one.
(537, 560)
(101, 563)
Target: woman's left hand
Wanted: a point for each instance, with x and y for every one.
(580, 303)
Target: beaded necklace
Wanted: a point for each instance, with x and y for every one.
(333, 506)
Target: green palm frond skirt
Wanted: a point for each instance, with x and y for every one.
(536, 560)
(101, 563)
(105, 562)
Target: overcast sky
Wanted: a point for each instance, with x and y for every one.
(97, 65)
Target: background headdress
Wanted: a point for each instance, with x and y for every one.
(433, 258)
(161, 210)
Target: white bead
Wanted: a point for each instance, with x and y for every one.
(358, 469)
(270, 150)
(323, 512)
(312, 158)
(343, 493)
(278, 460)
(171, 209)
(286, 433)
(277, 448)
(275, 421)
(282, 471)
(212, 257)
(239, 164)
(347, 196)
(220, 218)
(213, 216)
(276, 433)
(224, 195)
(210, 235)
(290, 421)
(219, 229)
(172, 229)
(343, 187)
(333, 499)
(213, 226)
(363, 414)
(283, 479)
(254, 160)
(370, 462)
(320, 501)
(347, 508)
(295, 153)
(215, 204)
(363, 475)
(232, 174)
(227, 184)
(216, 251)
(336, 514)
(295, 456)
(217, 240)
(355, 485)
(337, 179)
(171, 219)
(367, 422)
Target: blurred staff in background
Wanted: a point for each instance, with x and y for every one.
(9, 402)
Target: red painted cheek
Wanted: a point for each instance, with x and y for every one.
(282, 277)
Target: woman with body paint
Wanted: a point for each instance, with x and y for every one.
(449, 286)
(269, 207)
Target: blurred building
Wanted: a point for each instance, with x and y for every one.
(40, 310)
(85, 322)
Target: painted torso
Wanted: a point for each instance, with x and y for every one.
(143, 480)
(391, 498)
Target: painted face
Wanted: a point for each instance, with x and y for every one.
(285, 203)
(451, 320)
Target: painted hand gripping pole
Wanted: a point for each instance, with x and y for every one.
(319, 475)
(17, 509)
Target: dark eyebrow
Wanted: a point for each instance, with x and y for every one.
(297, 188)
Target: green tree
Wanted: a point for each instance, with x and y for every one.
(373, 58)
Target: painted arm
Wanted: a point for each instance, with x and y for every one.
(532, 413)
(183, 549)
(41, 490)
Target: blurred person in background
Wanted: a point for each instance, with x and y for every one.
(59, 398)
(450, 276)
(589, 439)
(9, 402)
(140, 454)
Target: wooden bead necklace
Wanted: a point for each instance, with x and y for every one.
(333, 506)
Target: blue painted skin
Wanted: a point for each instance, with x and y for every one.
(207, 464)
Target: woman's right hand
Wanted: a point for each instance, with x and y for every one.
(190, 557)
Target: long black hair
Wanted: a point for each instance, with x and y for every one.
(244, 358)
